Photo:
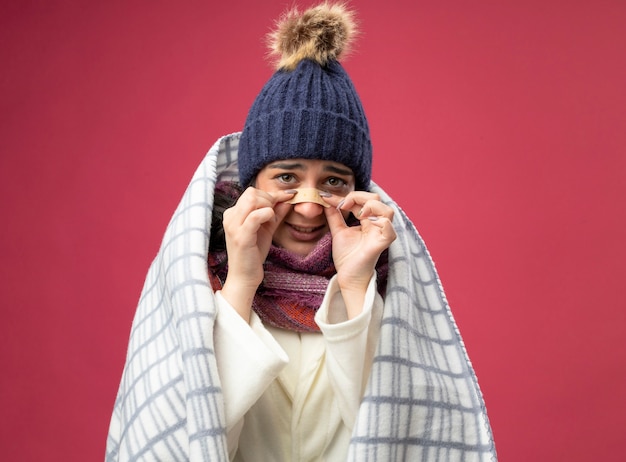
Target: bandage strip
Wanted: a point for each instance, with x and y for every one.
(308, 195)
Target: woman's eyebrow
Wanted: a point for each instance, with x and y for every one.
(338, 170)
(299, 166)
(287, 166)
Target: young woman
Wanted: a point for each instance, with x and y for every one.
(305, 357)
(293, 312)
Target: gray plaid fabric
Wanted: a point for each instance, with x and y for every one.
(422, 402)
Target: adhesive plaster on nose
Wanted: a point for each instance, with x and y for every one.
(308, 195)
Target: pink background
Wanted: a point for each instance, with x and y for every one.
(498, 126)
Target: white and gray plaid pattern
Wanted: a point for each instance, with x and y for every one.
(422, 401)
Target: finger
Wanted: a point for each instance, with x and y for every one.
(281, 207)
(253, 199)
(281, 196)
(241, 229)
(370, 208)
(382, 226)
(281, 210)
(331, 199)
(256, 219)
(375, 208)
(356, 200)
(249, 200)
(335, 220)
(260, 198)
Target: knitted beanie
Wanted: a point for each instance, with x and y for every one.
(309, 108)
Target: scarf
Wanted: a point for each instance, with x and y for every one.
(293, 286)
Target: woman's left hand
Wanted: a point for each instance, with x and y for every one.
(356, 249)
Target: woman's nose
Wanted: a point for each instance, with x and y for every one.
(308, 209)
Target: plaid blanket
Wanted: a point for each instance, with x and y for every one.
(422, 401)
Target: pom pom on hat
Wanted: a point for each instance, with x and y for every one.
(321, 34)
(309, 108)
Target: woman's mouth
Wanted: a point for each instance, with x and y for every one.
(307, 233)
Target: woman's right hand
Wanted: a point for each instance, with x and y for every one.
(249, 226)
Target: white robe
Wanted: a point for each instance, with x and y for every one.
(291, 396)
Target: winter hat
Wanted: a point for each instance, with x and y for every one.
(309, 108)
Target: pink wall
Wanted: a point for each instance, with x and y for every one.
(498, 126)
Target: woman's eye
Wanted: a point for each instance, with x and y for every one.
(285, 177)
(336, 182)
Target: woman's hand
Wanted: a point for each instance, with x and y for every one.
(249, 226)
(356, 249)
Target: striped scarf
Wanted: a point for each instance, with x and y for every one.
(293, 286)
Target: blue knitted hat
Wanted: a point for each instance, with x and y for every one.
(309, 108)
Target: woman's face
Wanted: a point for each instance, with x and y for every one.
(305, 224)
